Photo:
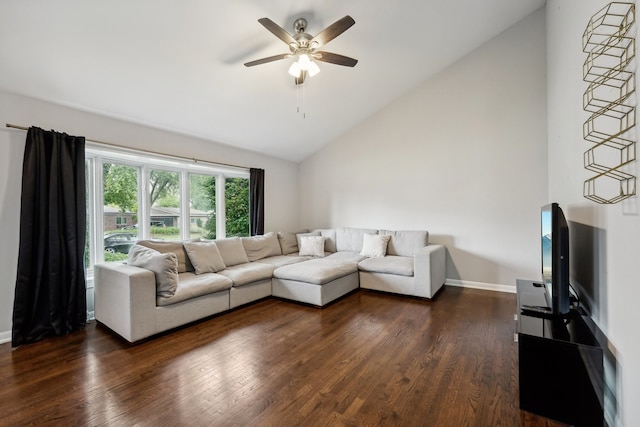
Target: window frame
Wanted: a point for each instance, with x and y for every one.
(97, 154)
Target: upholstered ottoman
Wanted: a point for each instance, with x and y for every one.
(317, 281)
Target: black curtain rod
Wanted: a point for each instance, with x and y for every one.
(9, 125)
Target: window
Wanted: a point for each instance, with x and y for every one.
(141, 196)
(237, 207)
(163, 193)
(202, 203)
(120, 200)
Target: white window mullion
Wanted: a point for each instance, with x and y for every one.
(185, 206)
(221, 222)
(98, 211)
(144, 199)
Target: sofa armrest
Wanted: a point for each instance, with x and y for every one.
(429, 270)
(125, 299)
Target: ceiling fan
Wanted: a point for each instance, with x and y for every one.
(305, 47)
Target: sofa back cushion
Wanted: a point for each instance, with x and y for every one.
(329, 235)
(258, 247)
(175, 247)
(350, 239)
(406, 242)
(205, 257)
(163, 265)
(288, 241)
(232, 251)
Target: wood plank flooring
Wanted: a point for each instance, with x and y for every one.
(370, 359)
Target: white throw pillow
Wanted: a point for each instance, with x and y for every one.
(312, 246)
(205, 257)
(300, 235)
(164, 266)
(374, 245)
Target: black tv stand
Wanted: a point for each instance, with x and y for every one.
(560, 361)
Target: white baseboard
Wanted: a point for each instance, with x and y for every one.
(480, 285)
(5, 337)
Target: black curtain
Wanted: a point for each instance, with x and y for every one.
(50, 295)
(256, 201)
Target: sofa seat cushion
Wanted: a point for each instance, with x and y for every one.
(391, 264)
(244, 274)
(345, 256)
(316, 271)
(191, 285)
(280, 260)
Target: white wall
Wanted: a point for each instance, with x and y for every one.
(611, 254)
(281, 203)
(463, 156)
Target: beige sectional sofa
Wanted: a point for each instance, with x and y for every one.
(169, 284)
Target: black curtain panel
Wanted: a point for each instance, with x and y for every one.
(256, 201)
(50, 294)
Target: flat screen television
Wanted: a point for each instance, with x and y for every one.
(555, 258)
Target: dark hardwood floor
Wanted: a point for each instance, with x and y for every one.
(370, 359)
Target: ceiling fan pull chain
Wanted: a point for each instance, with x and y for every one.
(300, 100)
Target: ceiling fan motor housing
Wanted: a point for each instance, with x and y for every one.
(300, 25)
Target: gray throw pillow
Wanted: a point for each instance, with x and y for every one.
(288, 241)
(205, 257)
(166, 246)
(164, 266)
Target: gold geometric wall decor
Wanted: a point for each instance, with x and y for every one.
(609, 69)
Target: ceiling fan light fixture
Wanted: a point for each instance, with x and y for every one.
(304, 61)
(294, 70)
(313, 69)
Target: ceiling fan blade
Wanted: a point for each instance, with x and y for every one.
(277, 30)
(334, 58)
(268, 59)
(333, 31)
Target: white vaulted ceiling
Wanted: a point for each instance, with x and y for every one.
(178, 65)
